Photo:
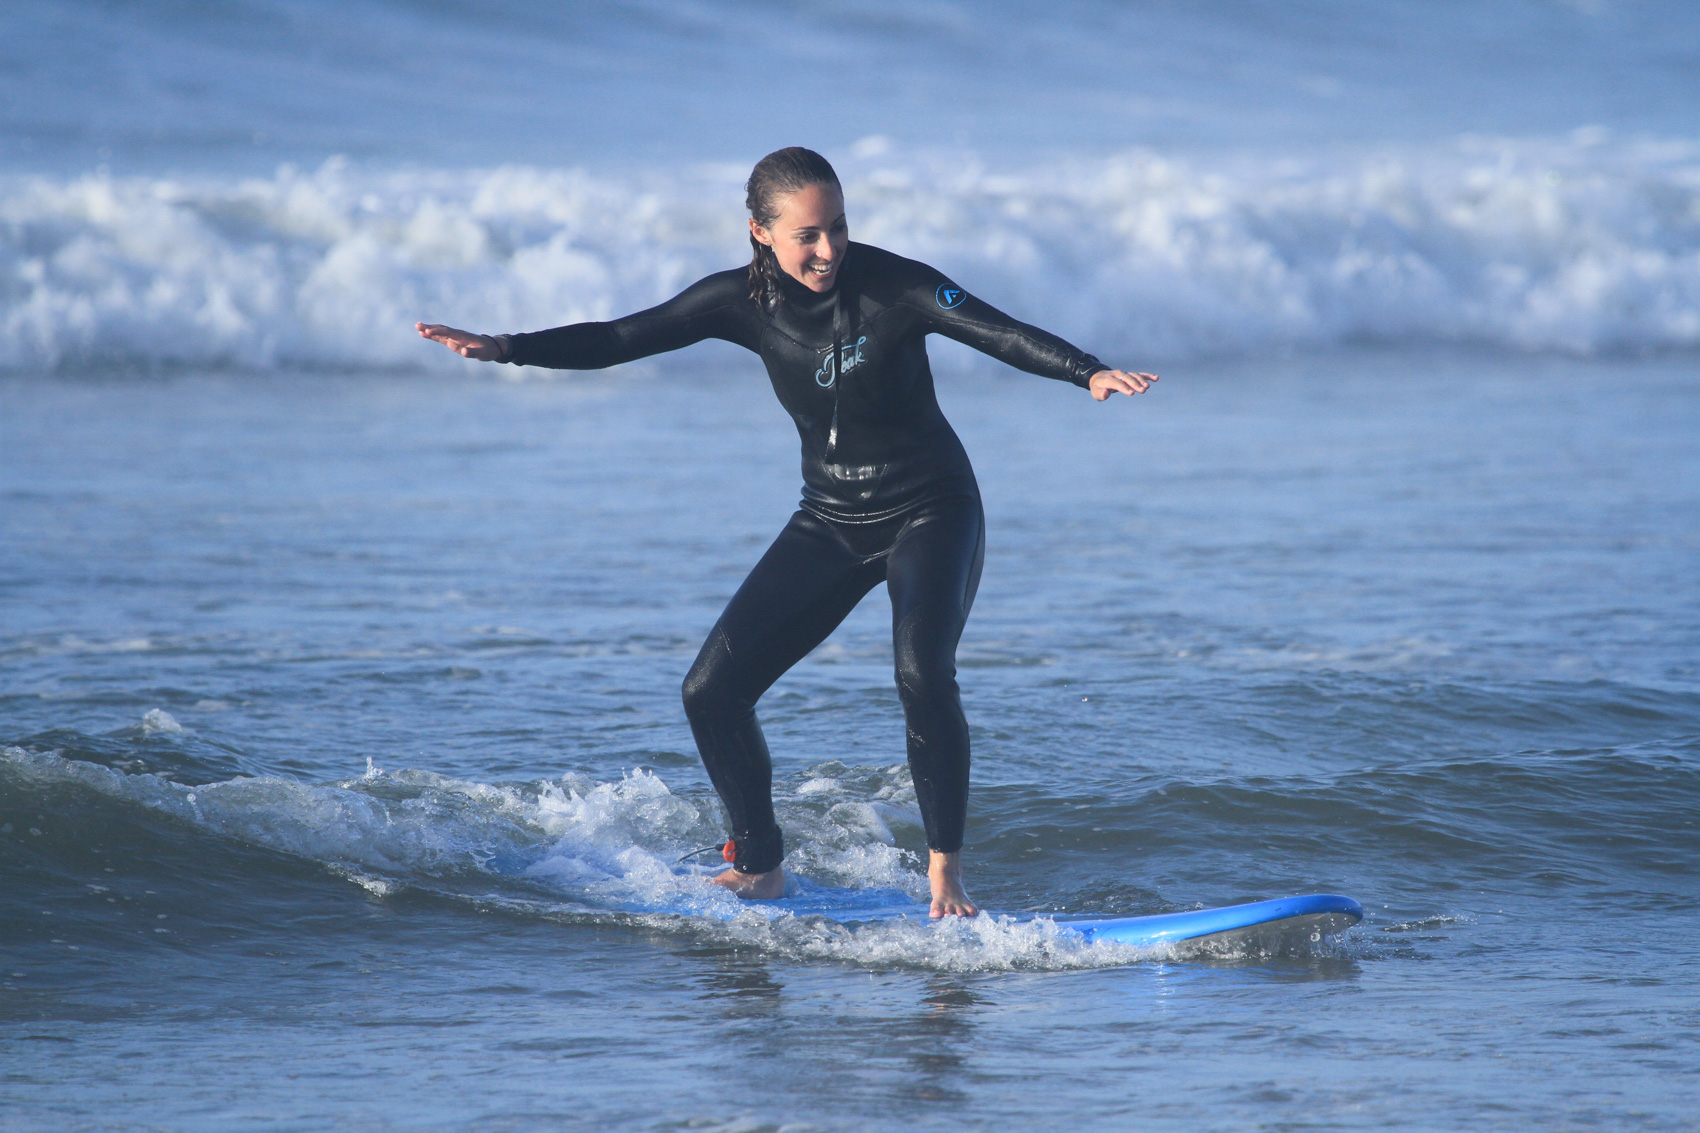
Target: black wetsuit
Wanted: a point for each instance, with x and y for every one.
(888, 495)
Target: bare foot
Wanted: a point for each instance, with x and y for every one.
(769, 886)
(944, 874)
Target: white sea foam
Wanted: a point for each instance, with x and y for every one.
(578, 848)
(1582, 245)
(157, 721)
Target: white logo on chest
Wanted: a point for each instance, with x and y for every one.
(849, 357)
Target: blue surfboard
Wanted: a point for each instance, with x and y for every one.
(1305, 918)
(1312, 917)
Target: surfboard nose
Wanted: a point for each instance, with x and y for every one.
(1315, 914)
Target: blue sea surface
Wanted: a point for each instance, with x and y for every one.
(343, 778)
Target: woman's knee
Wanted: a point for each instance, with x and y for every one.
(703, 694)
(711, 687)
(923, 682)
(697, 692)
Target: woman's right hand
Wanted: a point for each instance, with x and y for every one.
(480, 347)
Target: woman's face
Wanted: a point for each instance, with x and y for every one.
(810, 235)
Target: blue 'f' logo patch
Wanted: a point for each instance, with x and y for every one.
(949, 296)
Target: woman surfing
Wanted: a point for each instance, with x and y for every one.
(888, 492)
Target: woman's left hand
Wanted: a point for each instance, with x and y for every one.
(1105, 382)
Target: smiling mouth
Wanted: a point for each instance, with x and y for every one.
(822, 269)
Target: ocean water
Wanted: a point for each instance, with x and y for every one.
(343, 779)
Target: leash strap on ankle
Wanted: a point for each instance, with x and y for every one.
(729, 851)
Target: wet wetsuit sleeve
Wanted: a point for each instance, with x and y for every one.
(949, 310)
(714, 307)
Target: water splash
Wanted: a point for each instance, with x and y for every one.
(581, 851)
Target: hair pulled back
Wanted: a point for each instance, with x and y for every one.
(780, 173)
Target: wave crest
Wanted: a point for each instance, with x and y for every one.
(1579, 246)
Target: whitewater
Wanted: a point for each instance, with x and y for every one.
(1584, 246)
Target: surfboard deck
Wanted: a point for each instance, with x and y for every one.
(1308, 917)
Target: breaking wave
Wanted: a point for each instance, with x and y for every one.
(581, 851)
(1584, 245)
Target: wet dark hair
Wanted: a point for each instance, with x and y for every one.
(781, 172)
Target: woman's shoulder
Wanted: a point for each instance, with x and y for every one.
(728, 285)
(724, 290)
(891, 276)
(880, 262)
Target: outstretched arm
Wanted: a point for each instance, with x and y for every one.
(709, 308)
(955, 313)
